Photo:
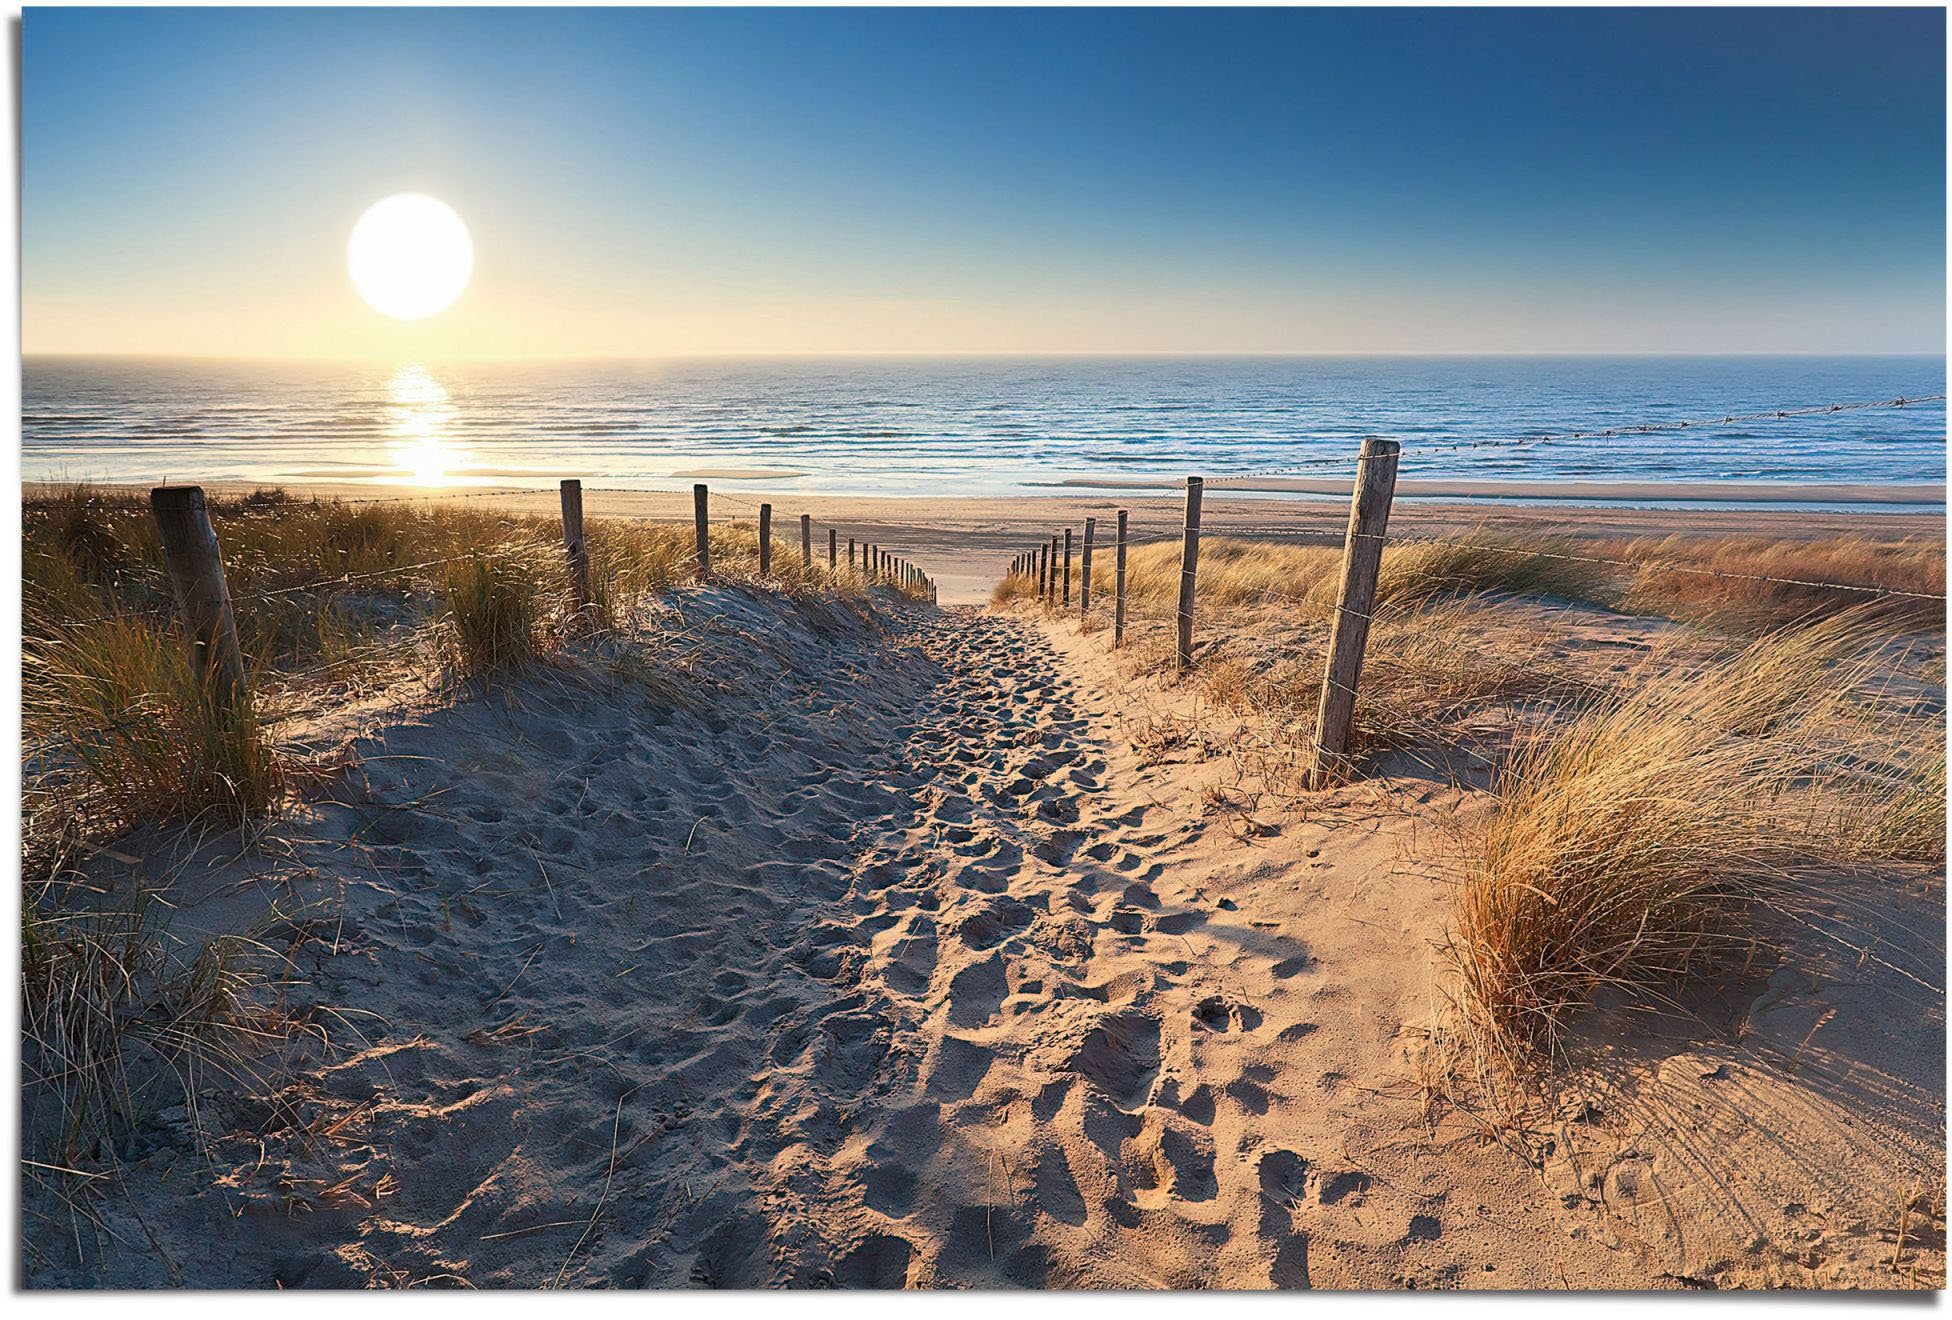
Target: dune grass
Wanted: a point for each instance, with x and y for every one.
(1646, 842)
(117, 1018)
(1666, 585)
(497, 610)
(145, 728)
(1655, 576)
(121, 731)
(1415, 570)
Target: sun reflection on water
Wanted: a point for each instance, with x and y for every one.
(419, 420)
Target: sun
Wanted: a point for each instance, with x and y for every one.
(410, 256)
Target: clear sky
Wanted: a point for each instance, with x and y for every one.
(1015, 181)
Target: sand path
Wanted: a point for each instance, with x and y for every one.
(911, 975)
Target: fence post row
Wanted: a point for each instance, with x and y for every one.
(575, 546)
(699, 498)
(1084, 568)
(765, 540)
(196, 578)
(1362, 556)
(1189, 568)
(1118, 610)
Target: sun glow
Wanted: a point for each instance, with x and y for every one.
(410, 256)
(418, 418)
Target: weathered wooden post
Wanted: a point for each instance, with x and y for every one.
(765, 540)
(1052, 594)
(1362, 557)
(850, 554)
(806, 540)
(833, 550)
(575, 546)
(1118, 586)
(196, 578)
(1084, 568)
(699, 499)
(1189, 570)
(1043, 558)
(1067, 566)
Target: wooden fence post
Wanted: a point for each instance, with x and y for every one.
(833, 550)
(1042, 555)
(196, 577)
(1118, 609)
(1067, 566)
(1362, 557)
(1084, 568)
(575, 546)
(850, 554)
(765, 540)
(699, 497)
(1189, 569)
(1052, 595)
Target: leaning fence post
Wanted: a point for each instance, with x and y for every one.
(765, 540)
(699, 497)
(196, 576)
(575, 546)
(833, 550)
(1084, 568)
(1189, 569)
(1362, 557)
(806, 540)
(1118, 609)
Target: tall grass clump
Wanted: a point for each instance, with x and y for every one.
(147, 727)
(1901, 817)
(1425, 570)
(1647, 842)
(117, 1018)
(497, 614)
(1015, 588)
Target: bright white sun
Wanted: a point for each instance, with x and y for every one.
(410, 256)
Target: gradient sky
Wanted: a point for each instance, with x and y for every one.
(700, 181)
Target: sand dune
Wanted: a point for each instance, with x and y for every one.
(874, 953)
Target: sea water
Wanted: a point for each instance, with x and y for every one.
(975, 426)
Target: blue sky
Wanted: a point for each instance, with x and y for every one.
(995, 181)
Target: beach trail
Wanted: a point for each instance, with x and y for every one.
(849, 952)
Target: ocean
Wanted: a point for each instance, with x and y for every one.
(973, 426)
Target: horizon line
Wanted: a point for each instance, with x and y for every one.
(1000, 354)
